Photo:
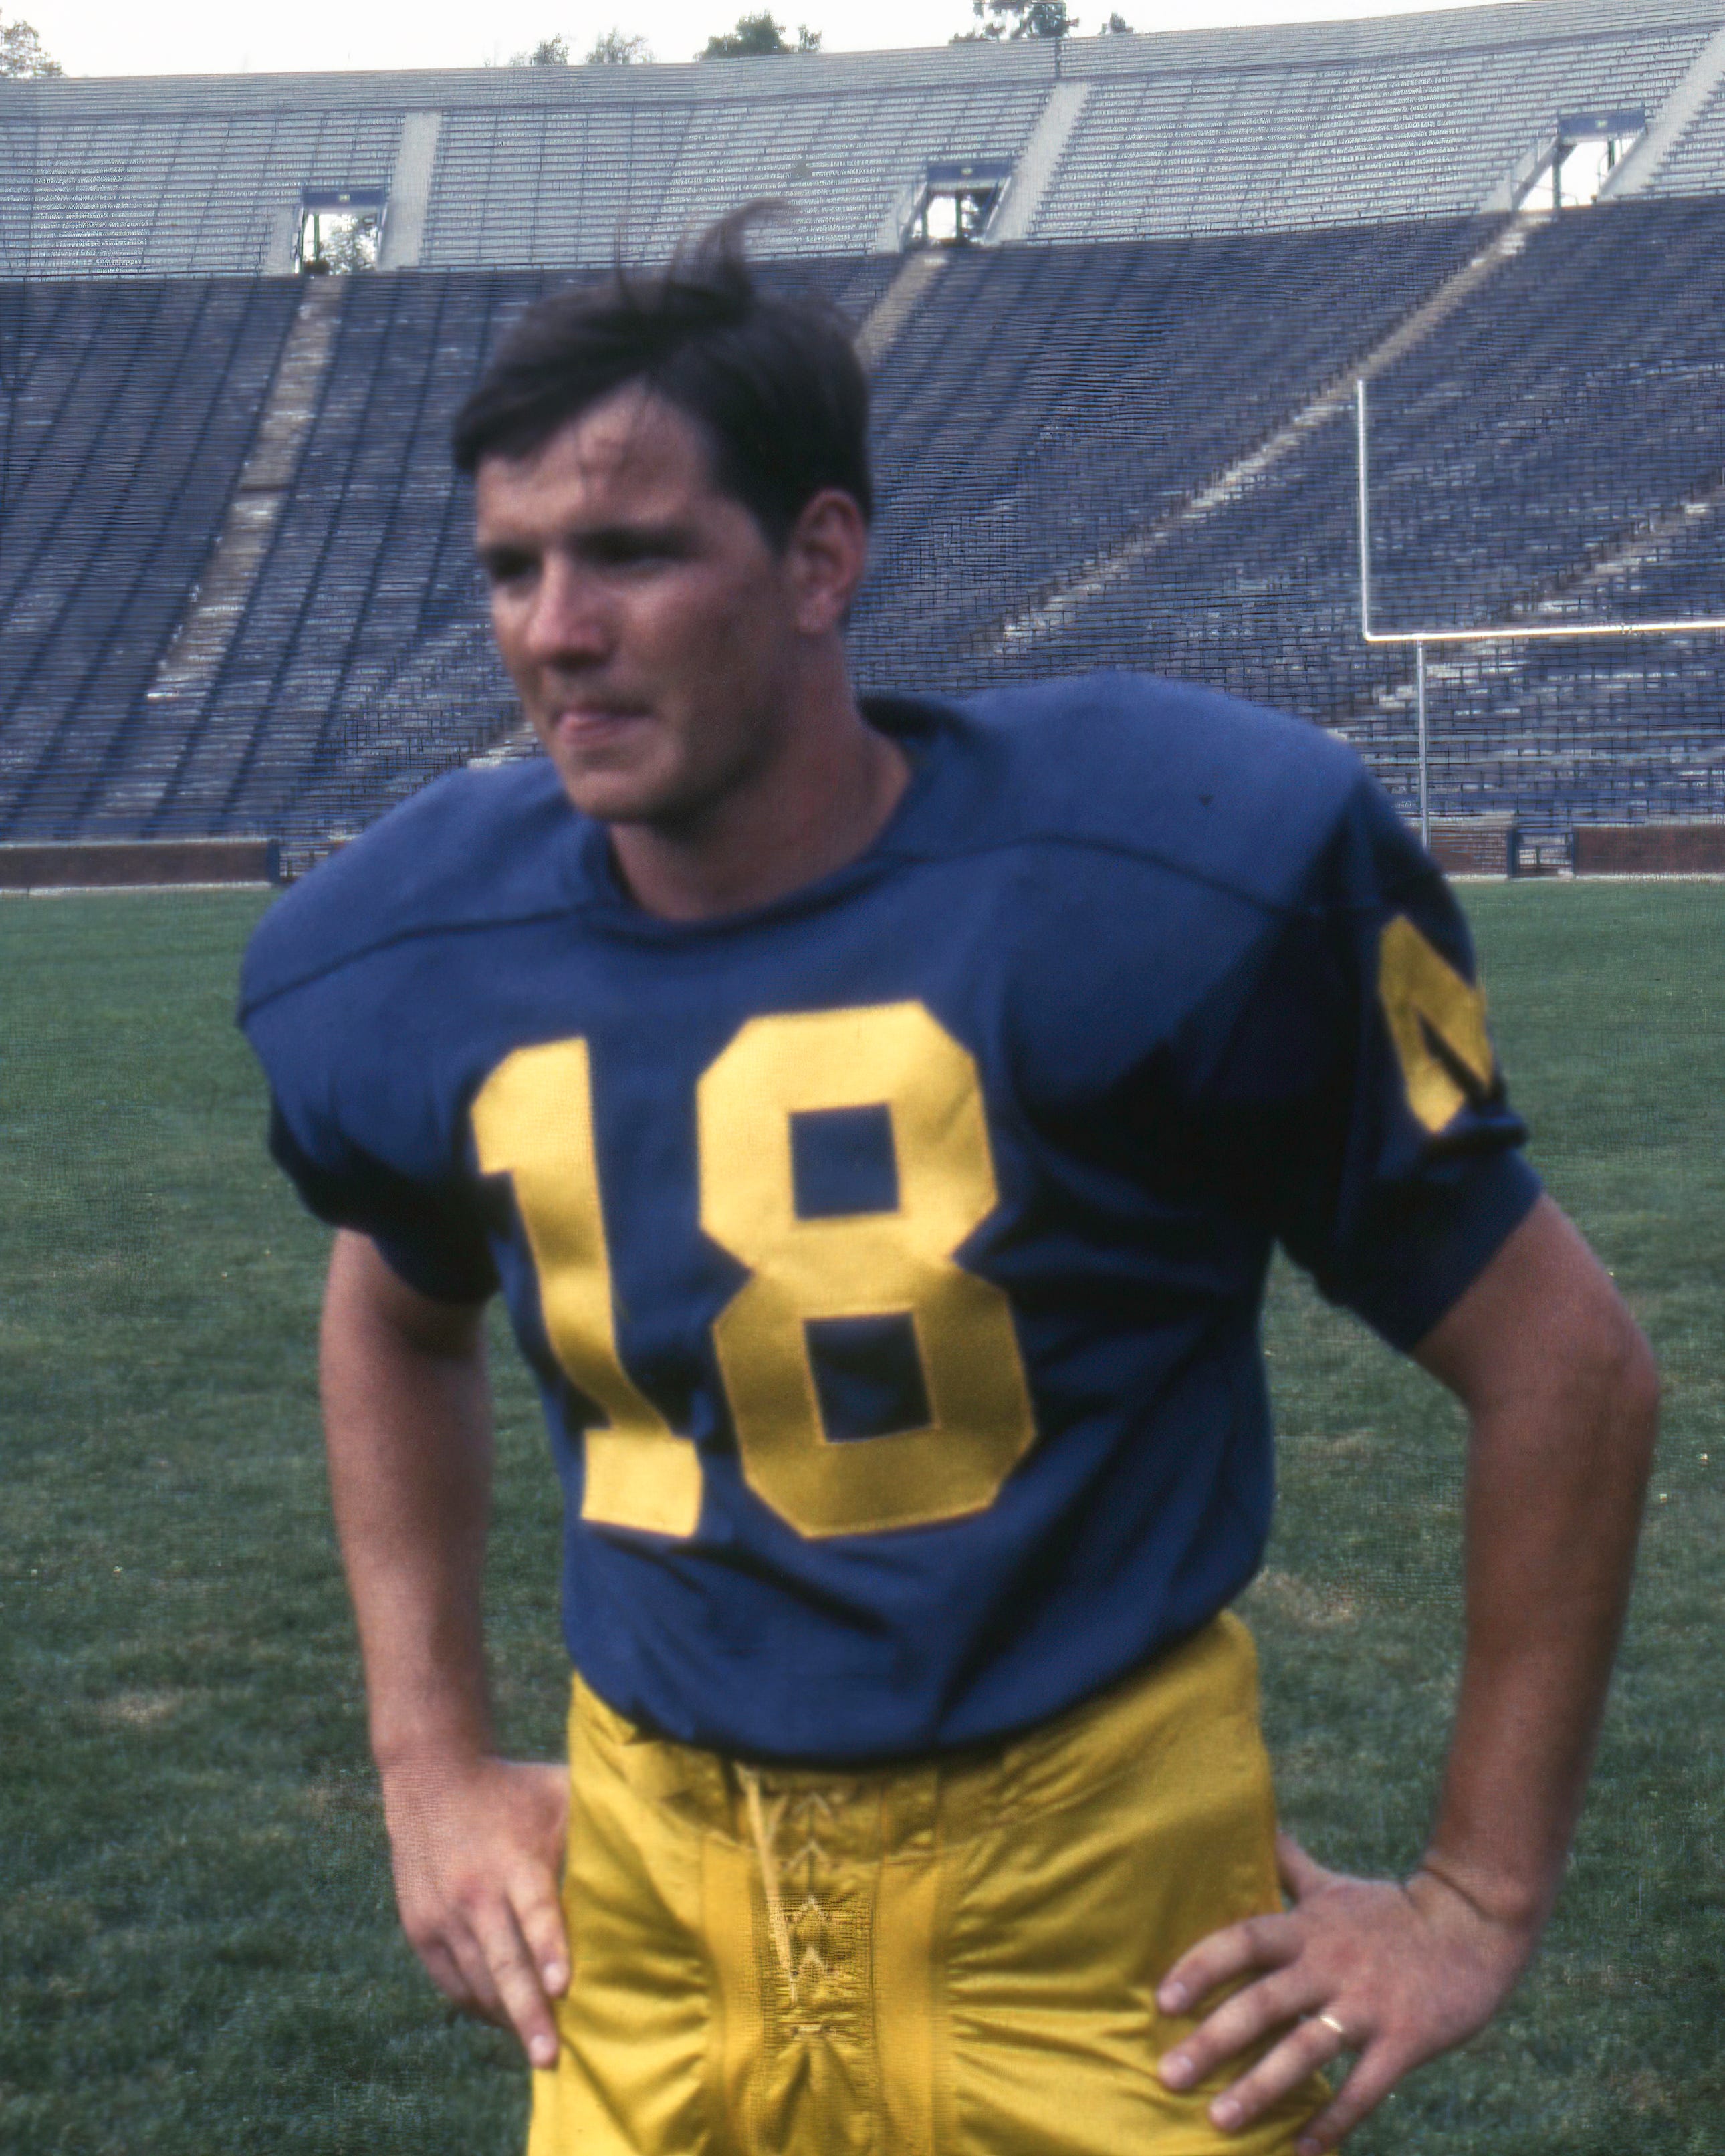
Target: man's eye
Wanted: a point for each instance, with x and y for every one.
(636, 553)
(506, 568)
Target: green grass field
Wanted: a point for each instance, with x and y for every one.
(197, 1951)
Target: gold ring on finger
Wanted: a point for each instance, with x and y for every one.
(1336, 2030)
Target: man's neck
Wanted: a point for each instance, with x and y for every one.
(818, 804)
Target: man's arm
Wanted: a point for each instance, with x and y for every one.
(1562, 1398)
(476, 1840)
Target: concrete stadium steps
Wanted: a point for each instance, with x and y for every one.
(371, 540)
(134, 409)
(148, 761)
(1131, 454)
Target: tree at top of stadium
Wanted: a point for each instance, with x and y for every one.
(757, 35)
(1028, 19)
(549, 52)
(21, 51)
(616, 47)
(612, 48)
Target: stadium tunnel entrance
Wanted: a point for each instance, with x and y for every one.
(340, 230)
(958, 200)
(1587, 149)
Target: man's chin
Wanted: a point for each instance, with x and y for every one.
(615, 795)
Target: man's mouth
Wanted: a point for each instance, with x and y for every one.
(596, 723)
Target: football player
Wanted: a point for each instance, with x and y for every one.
(878, 1115)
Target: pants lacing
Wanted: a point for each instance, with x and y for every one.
(801, 1936)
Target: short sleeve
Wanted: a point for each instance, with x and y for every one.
(356, 1125)
(430, 1234)
(1382, 1145)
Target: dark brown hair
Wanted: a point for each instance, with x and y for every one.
(774, 383)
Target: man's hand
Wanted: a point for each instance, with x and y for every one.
(477, 1847)
(1393, 1973)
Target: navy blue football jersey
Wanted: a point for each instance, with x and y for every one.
(889, 1257)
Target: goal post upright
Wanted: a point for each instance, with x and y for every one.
(1506, 633)
(1362, 465)
(1425, 747)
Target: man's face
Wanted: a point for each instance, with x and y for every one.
(650, 628)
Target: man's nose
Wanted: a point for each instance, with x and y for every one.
(568, 622)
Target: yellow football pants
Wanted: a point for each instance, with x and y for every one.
(954, 1958)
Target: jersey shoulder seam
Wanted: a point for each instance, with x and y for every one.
(412, 933)
(905, 856)
(1122, 849)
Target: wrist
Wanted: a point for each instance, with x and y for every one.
(409, 1754)
(1509, 1902)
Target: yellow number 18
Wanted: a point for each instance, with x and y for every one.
(533, 1119)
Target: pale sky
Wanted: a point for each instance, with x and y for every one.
(217, 37)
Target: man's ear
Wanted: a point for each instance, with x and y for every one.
(825, 556)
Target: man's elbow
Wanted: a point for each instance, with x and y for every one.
(1638, 1387)
(1613, 1370)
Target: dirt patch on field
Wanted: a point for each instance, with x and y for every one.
(1299, 1602)
(140, 1710)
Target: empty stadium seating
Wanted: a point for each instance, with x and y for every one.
(177, 193)
(1127, 454)
(573, 184)
(1534, 459)
(125, 413)
(1043, 404)
(1180, 151)
(1146, 135)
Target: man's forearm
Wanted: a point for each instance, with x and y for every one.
(408, 1426)
(1553, 1516)
(1560, 1451)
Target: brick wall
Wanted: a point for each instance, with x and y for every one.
(98, 865)
(1650, 848)
(1473, 845)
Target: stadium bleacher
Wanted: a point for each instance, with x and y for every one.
(1044, 404)
(1124, 438)
(1696, 165)
(129, 411)
(1218, 149)
(367, 566)
(180, 193)
(1117, 137)
(1046, 412)
(560, 187)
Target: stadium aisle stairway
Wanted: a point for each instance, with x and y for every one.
(1066, 440)
(126, 416)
